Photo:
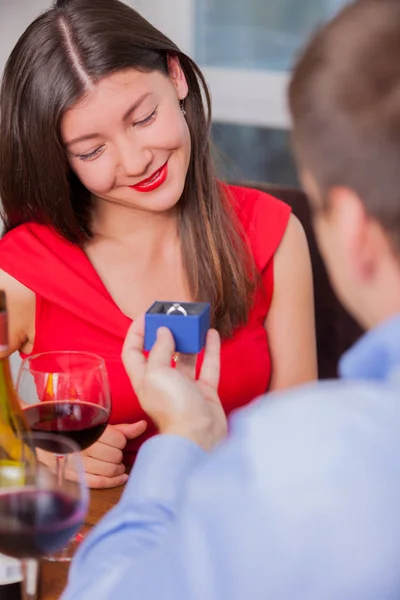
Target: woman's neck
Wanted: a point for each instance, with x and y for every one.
(132, 226)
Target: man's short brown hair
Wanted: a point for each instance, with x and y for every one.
(345, 102)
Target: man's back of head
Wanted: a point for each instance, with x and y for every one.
(345, 102)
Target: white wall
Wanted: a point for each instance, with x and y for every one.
(15, 16)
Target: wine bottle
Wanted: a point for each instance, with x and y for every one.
(14, 431)
(14, 451)
(10, 578)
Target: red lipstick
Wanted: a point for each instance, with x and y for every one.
(153, 182)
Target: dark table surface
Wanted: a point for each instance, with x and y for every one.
(53, 576)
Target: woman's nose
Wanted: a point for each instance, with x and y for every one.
(134, 161)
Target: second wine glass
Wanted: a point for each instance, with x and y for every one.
(67, 393)
(37, 515)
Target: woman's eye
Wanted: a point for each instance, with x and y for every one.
(147, 120)
(91, 155)
(95, 153)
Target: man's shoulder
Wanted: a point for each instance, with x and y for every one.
(321, 423)
(327, 397)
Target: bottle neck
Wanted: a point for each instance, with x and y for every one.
(4, 345)
(8, 399)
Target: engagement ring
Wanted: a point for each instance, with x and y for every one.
(177, 308)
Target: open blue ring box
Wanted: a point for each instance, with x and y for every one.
(189, 331)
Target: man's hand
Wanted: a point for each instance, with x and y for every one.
(171, 397)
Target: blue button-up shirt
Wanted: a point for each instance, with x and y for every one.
(301, 503)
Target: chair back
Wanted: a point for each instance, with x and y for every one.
(336, 330)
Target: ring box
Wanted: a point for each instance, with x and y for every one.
(189, 331)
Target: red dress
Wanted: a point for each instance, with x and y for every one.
(74, 311)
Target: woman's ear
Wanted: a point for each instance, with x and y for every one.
(177, 76)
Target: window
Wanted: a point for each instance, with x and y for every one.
(246, 50)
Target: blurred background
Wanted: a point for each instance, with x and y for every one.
(246, 50)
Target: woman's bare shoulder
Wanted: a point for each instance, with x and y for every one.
(21, 311)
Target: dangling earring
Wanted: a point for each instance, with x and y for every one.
(183, 111)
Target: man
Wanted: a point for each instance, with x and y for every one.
(303, 499)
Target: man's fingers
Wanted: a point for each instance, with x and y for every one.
(162, 351)
(132, 352)
(186, 364)
(210, 369)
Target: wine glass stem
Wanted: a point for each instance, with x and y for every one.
(61, 463)
(30, 571)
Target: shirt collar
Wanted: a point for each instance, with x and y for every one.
(376, 355)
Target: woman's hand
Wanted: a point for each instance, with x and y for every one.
(103, 460)
(177, 403)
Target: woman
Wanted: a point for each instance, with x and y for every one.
(110, 202)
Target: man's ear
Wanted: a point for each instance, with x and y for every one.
(356, 231)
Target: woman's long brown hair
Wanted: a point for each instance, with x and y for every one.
(42, 80)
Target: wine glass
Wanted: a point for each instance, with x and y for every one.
(68, 393)
(38, 516)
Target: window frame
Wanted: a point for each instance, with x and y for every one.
(240, 96)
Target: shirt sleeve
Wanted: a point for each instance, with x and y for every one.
(139, 521)
(301, 502)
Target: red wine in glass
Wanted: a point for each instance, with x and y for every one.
(65, 393)
(83, 422)
(37, 522)
(39, 511)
